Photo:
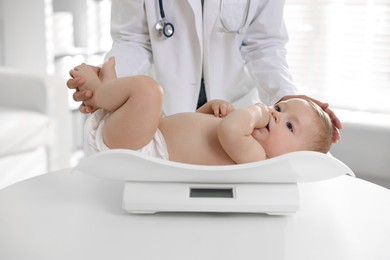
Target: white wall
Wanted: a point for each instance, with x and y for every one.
(26, 35)
(79, 10)
(1, 32)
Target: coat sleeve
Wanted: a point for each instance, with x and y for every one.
(130, 35)
(264, 52)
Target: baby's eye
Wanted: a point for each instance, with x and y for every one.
(277, 107)
(290, 127)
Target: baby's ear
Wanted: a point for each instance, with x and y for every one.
(336, 135)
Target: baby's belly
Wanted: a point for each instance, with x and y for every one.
(192, 138)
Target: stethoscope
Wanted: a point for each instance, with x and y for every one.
(240, 29)
(165, 28)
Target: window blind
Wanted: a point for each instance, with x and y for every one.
(339, 51)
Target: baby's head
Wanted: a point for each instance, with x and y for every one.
(323, 140)
(296, 125)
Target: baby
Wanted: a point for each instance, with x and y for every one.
(128, 116)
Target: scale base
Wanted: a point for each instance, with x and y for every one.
(268, 198)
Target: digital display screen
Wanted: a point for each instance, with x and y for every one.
(211, 193)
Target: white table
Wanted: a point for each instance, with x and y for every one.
(76, 216)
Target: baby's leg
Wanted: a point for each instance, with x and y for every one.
(134, 123)
(135, 104)
(107, 71)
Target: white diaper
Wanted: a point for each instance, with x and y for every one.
(93, 137)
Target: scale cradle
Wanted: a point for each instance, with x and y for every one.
(154, 185)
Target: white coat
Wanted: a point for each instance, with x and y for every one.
(238, 67)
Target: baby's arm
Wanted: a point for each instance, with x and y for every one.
(235, 133)
(217, 107)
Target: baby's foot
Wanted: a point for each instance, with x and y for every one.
(92, 81)
(107, 71)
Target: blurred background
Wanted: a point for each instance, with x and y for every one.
(339, 52)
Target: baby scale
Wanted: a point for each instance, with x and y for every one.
(154, 185)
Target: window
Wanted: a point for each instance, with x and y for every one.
(339, 51)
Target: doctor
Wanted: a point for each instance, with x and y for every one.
(228, 49)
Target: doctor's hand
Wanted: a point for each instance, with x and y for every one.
(81, 96)
(337, 126)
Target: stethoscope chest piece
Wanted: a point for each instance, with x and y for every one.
(164, 28)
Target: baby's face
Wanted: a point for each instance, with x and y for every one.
(293, 124)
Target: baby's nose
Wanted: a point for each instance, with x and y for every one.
(276, 115)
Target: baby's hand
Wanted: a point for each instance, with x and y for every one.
(221, 108)
(265, 115)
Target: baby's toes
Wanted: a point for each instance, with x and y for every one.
(74, 73)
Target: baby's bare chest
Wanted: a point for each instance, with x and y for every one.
(192, 138)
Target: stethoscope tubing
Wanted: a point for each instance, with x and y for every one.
(161, 7)
(167, 29)
(163, 27)
(243, 22)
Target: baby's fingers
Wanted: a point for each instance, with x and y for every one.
(229, 109)
(222, 110)
(225, 109)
